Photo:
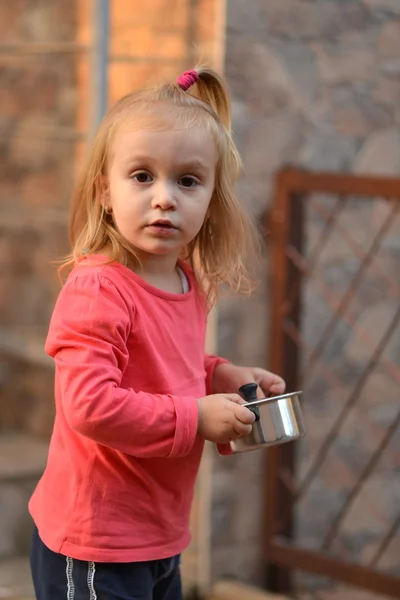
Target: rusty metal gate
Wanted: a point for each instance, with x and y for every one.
(333, 498)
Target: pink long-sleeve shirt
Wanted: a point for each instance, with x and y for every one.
(124, 453)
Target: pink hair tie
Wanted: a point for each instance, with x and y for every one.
(187, 79)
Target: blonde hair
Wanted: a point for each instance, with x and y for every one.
(227, 242)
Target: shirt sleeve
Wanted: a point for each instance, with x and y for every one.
(225, 449)
(87, 339)
(210, 362)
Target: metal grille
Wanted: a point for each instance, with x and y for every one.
(333, 497)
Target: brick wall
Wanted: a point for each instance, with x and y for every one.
(47, 105)
(38, 100)
(47, 108)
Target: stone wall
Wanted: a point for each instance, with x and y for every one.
(316, 85)
(37, 129)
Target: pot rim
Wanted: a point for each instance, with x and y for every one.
(260, 401)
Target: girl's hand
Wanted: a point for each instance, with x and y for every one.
(222, 418)
(229, 378)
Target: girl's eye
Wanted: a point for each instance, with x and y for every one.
(142, 177)
(188, 181)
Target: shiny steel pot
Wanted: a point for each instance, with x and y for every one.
(279, 419)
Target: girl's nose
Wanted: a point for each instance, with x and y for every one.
(164, 197)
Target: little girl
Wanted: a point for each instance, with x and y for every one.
(155, 229)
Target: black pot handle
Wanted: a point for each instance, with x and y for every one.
(248, 391)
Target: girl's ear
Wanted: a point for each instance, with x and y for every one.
(104, 192)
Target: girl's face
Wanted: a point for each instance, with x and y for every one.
(160, 185)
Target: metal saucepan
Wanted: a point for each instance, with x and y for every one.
(279, 419)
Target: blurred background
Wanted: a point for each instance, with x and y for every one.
(316, 115)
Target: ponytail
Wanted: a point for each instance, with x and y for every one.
(209, 87)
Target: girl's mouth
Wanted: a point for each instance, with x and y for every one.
(164, 228)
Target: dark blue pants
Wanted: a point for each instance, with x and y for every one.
(58, 577)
